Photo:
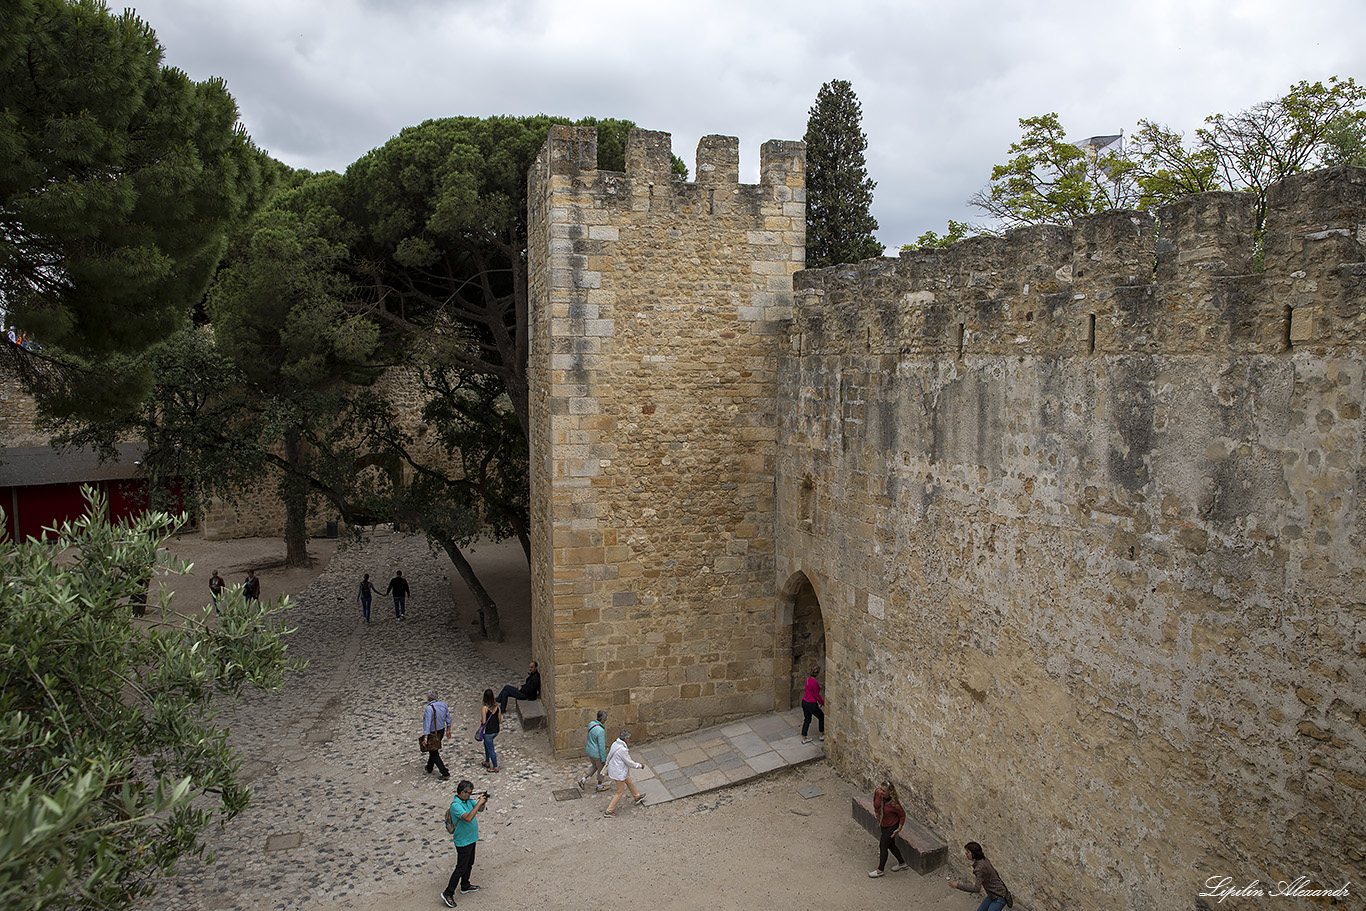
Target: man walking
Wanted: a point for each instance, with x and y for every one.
(436, 724)
(530, 690)
(398, 587)
(597, 752)
(464, 812)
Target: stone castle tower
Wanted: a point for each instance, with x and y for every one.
(657, 309)
(1072, 518)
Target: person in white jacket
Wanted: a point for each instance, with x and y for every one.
(619, 765)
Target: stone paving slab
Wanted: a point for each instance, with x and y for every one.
(724, 755)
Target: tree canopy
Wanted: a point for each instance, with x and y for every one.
(839, 192)
(119, 179)
(440, 212)
(1052, 180)
(111, 762)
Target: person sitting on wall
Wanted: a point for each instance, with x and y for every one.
(530, 690)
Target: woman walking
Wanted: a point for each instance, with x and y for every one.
(988, 880)
(597, 752)
(811, 704)
(489, 717)
(367, 591)
(891, 816)
(619, 763)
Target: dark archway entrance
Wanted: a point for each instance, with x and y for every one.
(808, 637)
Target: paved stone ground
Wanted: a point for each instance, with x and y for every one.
(722, 756)
(342, 812)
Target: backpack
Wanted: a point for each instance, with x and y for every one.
(450, 823)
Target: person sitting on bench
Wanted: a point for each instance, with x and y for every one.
(530, 690)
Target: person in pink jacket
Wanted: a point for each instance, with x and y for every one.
(811, 704)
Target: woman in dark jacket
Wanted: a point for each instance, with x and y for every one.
(489, 717)
(987, 880)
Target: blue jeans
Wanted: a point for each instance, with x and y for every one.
(992, 904)
(509, 692)
(491, 756)
(365, 607)
(400, 607)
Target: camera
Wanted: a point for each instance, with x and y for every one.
(486, 795)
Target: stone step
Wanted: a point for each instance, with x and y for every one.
(530, 714)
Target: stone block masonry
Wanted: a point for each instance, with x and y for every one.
(1082, 509)
(1071, 518)
(658, 310)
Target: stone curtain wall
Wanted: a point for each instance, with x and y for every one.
(658, 306)
(1082, 509)
(18, 412)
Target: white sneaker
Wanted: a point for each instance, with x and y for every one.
(806, 740)
(875, 874)
(897, 868)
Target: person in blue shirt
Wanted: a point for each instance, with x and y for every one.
(597, 752)
(465, 812)
(436, 724)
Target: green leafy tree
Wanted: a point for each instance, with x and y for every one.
(956, 232)
(119, 180)
(441, 215)
(111, 760)
(839, 192)
(271, 383)
(1312, 125)
(466, 479)
(282, 313)
(1049, 180)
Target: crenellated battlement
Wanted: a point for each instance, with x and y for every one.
(570, 157)
(1178, 283)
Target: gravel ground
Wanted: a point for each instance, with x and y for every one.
(343, 815)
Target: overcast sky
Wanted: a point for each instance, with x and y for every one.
(943, 83)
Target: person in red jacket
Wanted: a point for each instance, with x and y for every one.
(891, 817)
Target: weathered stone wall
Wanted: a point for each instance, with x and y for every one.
(257, 512)
(1082, 511)
(657, 311)
(18, 412)
(260, 512)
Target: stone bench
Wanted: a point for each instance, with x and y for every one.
(923, 850)
(530, 714)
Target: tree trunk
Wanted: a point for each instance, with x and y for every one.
(489, 624)
(294, 493)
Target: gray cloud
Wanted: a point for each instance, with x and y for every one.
(943, 84)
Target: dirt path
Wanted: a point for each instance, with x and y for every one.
(343, 815)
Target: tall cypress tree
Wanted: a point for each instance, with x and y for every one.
(839, 193)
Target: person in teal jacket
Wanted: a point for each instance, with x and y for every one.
(464, 812)
(597, 752)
